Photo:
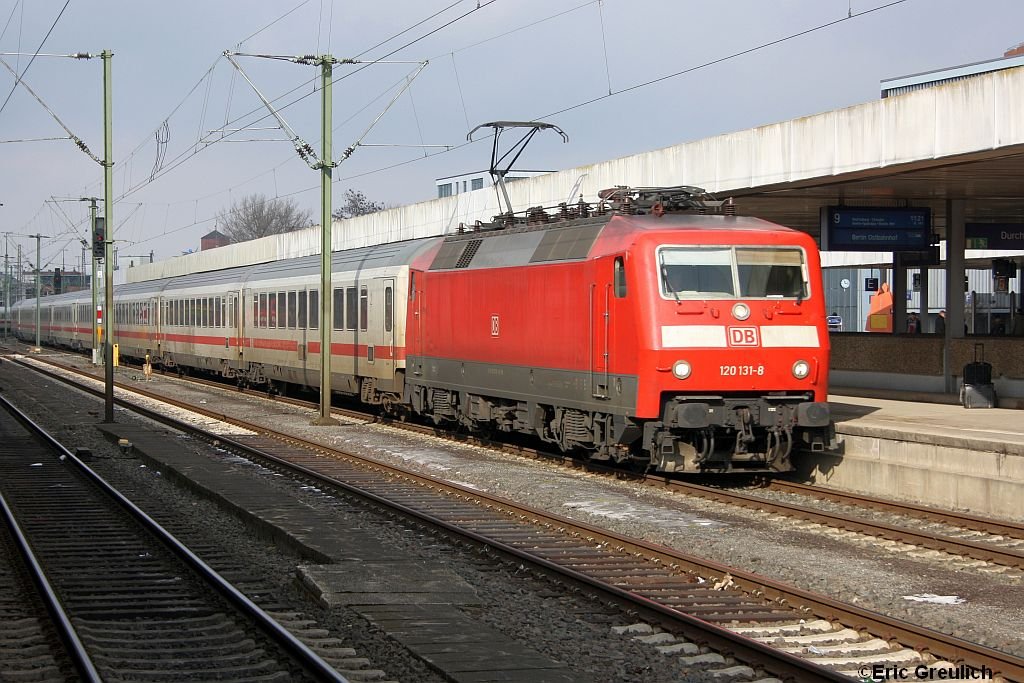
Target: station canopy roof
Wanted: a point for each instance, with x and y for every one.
(960, 140)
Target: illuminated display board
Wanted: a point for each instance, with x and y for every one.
(859, 228)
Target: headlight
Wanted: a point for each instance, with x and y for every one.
(801, 369)
(741, 311)
(681, 369)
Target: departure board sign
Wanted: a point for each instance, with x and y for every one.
(860, 228)
(994, 235)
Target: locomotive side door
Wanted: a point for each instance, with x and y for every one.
(600, 326)
(414, 336)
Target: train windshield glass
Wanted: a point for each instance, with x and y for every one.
(771, 273)
(697, 272)
(731, 272)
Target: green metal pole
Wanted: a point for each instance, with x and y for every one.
(108, 262)
(94, 286)
(326, 290)
(38, 292)
(7, 289)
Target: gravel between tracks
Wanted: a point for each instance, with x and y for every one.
(564, 626)
(794, 552)
(800, 553)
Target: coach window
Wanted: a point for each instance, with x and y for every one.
(314, 309)
(272, 310)
(282, 312)
(261, 314)
(364, 308)
(351, 307)
(230, 320)
(620, 278)
(339, 308)
(302, 310)
(218, 309)
(292, 310)
(389, 308)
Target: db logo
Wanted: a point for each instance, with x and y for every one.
(494, 326)
(743, 336)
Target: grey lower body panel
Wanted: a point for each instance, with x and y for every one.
(598, 392)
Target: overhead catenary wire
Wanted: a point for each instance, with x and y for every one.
(36, 54)
(416, 25)
(587, 102)
(628, 89)
(604, 44)
(185, 156)
(19, 80)
(9, 17)
(726, 58)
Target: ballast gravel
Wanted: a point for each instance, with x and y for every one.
(560, 623)
(874, 576)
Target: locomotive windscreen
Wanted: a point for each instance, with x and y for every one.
(722, 272)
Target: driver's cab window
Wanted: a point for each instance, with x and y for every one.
(620, 278)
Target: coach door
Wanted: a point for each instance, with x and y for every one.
(386, 351)
(151, 323)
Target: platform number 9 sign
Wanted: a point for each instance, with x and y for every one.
(494, 326)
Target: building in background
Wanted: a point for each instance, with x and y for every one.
(477, 180)
(212, 240)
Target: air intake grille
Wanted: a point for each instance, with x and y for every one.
(566, 243)
(468, 254)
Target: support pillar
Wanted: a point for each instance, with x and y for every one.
(955, 245)
(899, 294)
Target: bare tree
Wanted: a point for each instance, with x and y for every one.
(257, 216)
(356, 204)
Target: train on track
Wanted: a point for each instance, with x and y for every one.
(639, 329)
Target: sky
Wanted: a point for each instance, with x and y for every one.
(190, 135)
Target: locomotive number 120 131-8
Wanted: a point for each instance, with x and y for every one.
(741, 370)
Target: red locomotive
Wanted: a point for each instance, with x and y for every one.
(641, 331)
(638, 330)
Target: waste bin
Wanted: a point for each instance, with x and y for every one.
(978, 390)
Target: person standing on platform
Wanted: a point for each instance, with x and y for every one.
(1018, 324)
(940, 323)
(913, 323)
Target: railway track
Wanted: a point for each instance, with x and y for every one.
(729, 609)
(130, 601)
(30, 646)
(999, 542)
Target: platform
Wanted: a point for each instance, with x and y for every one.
(426, 607)
(926, 452)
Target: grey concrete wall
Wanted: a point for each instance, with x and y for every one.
(945, 475)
